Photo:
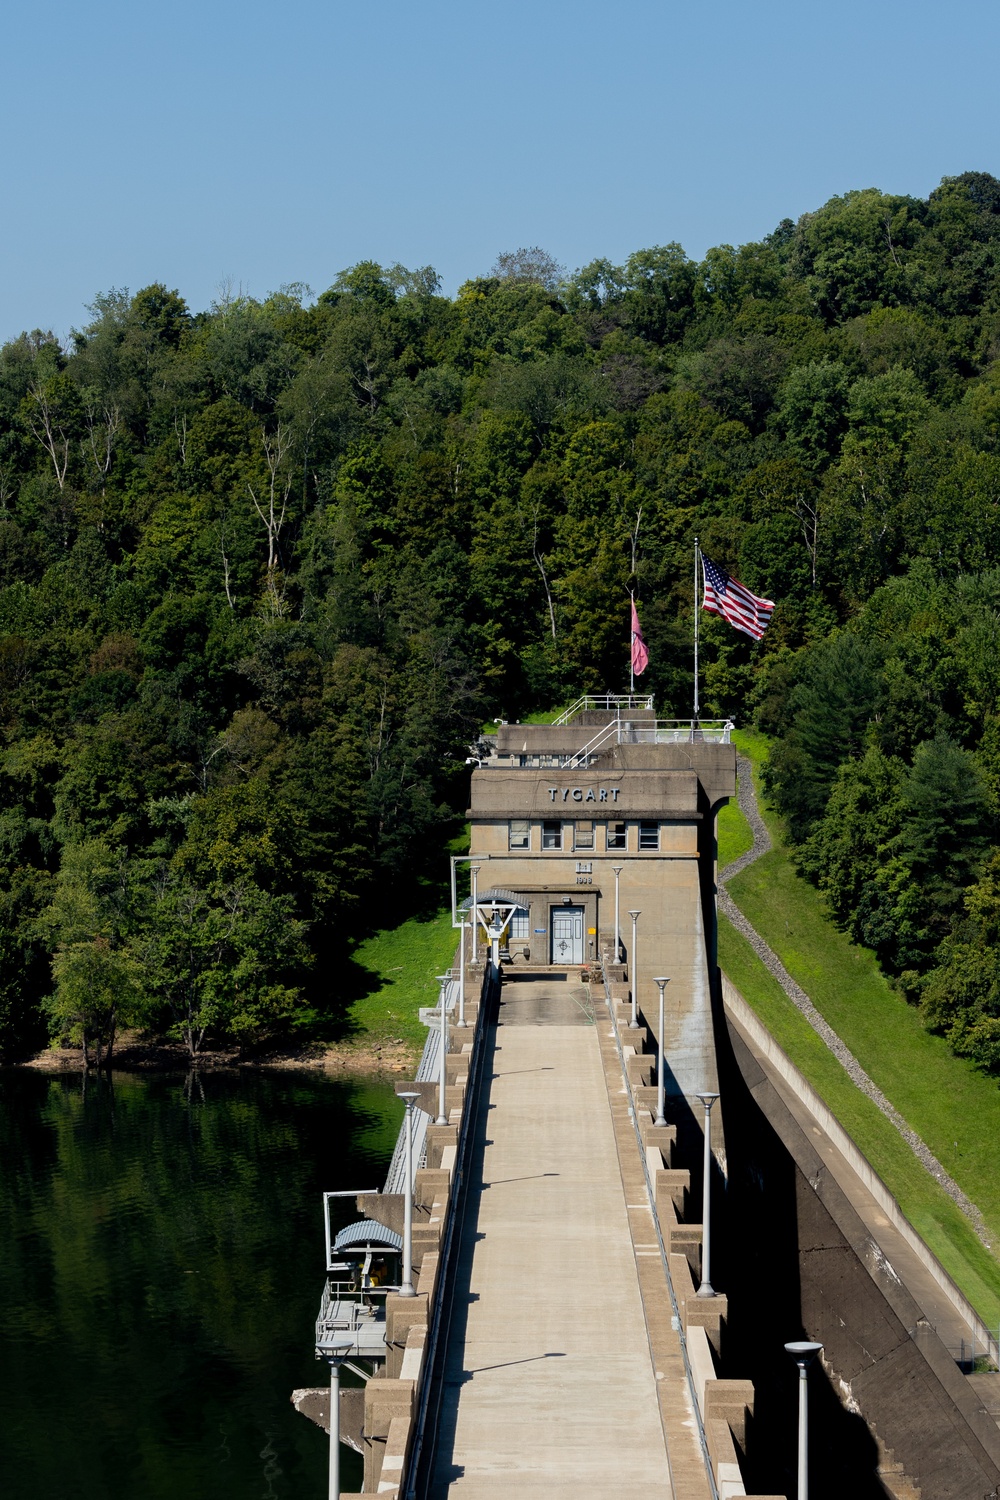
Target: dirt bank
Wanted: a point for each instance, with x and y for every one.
(363, 1056)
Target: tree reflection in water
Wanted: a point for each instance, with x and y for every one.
(161, 1271)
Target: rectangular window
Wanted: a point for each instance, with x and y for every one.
(617, 836)
(584, 836)
(519, 929)
(649, 835)
(551, 834)
(519, 834)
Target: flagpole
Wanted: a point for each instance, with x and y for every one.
(631, 657)
(696, 556)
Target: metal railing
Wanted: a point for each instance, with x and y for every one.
(657, 732)
(606, 703)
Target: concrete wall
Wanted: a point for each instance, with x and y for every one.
(815, 1247)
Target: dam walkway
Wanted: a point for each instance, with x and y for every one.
(550, 1383)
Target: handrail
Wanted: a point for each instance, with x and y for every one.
(605, 702)
(416, 1477)
(655, 732)
(606, 732)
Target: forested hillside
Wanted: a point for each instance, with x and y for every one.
(264, 569)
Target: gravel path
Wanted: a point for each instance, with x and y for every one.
(747, 800)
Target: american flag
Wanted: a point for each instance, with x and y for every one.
(727, 597)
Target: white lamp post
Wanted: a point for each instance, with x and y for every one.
(803, 1352)
(442, 1116)
(660, 1085)
(706, 1289)
(406, 1283)
(475, 912)
(461, 978)
(618, 941)
(335, 1353)
(633, 973)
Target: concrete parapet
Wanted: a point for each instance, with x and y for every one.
(388, 1405)
(673, 1183)
(730, 1401)
(431, 1185)
(702, 1363)
(402, 1314)
(426, 1274)
(707, 1312)
(725, 1461)
(645, 1098)
(663, 1137)
(680, 1238)
(413, 1356)
(640, 1039)
(639, 1067)
(397, 1443)
(704, 1312)
(438, 1136)
(426, 1240)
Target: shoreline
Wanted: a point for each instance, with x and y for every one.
(362, 1058)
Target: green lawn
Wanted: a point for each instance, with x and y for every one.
(402, 962)
(549, 716)
(929, 1209)
(954, 1108)
(734, 834)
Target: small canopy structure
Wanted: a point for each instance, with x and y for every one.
(496, 907)
(367, 1235)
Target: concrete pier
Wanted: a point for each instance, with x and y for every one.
(549, 1386)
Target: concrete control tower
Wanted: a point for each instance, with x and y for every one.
(609, 801)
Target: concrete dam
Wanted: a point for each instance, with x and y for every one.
(615, 1200)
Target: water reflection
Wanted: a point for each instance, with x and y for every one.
(160, 1274)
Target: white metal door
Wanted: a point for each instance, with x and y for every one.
(567, 935)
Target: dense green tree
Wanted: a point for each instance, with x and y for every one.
(265, 569)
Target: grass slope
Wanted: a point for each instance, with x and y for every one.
(734, 834)
(954, 1108)
(402, 962)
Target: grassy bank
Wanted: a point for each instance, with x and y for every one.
(955, 1109)
(733, 833)
(396, 969)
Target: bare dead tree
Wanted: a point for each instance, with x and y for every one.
(181, 431)
(367, 381)
(7, 485)
(225, 565)
(887, 221)
(536, 553)
(271, 505)
(633, 537)
(103, 426)
(47, 426)
(808, 516)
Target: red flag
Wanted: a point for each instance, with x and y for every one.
(640, 656)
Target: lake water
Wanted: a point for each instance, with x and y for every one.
(161, 1264)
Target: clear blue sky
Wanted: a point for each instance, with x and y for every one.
(195, 142)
